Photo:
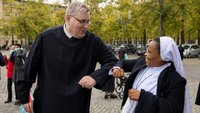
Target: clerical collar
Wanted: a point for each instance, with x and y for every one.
(66, 32)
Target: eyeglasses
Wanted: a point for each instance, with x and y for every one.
(83, 21)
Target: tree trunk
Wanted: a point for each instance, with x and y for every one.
(178, 40)
(198, 36)
(161, 18)
(12, 39)
(182, 25)
(144, 38)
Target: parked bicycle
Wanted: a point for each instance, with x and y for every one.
(120, 84)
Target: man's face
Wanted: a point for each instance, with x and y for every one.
(153, 58)
(78, 24)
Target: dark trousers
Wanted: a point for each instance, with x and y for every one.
(109, 86)
(16, 92)
(197, 102)
(9, 88)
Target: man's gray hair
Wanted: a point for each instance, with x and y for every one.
(76, 7)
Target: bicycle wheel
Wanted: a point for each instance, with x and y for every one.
(121, 95)
(119, 89)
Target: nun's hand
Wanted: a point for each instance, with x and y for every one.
(133, 94)
(118, 72)
(87, 82)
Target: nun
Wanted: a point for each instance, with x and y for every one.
(157, 82)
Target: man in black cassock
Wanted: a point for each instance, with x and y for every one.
(63, 60)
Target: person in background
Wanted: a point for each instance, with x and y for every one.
(9, 74)
(18, 56)
(63, 59)
(110, 85)
(122, 52)
(122, 56)
(109, 89)
(157, 83)
(181, 50)
(2, 63)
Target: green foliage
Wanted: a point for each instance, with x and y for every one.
(34, 18)
(26, 20)
(145, 17)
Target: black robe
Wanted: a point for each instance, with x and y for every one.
(59, 63)
(170, 89)
(197, 101)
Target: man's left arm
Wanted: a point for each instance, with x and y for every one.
(99, 77)
(107, 60)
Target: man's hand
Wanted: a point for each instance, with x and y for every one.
(133, 94)
(87, 82)
(27, 107)
(118, 72)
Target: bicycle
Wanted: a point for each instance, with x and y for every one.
(119, 89)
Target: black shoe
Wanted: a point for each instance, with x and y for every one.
(106, 96)
(17, 102)
(7, 101)
(113, 96)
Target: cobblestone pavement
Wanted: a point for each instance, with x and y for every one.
(100, 105)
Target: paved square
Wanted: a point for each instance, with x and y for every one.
(101, 105)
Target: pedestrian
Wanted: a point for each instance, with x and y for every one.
(109, 89)
(197, 102)
(2, 62)
(122, 56)
(18, 56)
(63, 59)
(122, 52)
(9, 74)
(156, 83)
(181, 50)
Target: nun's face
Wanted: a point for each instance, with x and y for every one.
(152, 55)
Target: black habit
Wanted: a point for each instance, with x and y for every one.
(170, 89)
(197, 102)
(59, 63)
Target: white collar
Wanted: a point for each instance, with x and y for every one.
(66, 32)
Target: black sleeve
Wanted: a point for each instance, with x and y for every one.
(127, 65)
(23, 89)
(107, 60)
(2, 61)
(32, 66)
